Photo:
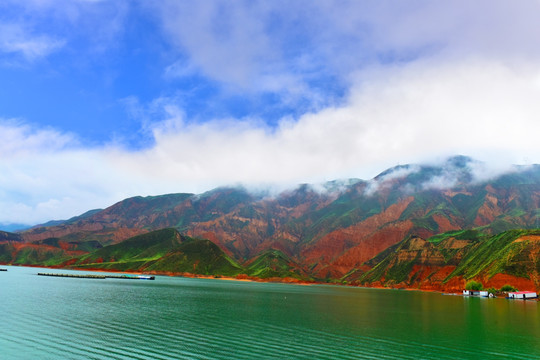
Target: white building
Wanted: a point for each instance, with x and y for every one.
(522, 295)
(482, 293)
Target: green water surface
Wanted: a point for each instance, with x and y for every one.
(181, 318)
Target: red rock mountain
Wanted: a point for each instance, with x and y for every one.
(328, 230)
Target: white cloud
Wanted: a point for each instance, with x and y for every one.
(245, 47)
(218, 37)
(385, 181)
(15, 39)
(280, 46)
(462, 79)
(22, 139)
(420, 111)
(406, 114)
(38, 28)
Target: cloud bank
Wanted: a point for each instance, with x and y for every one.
(287, 48)
(414, 113)
(422, 81)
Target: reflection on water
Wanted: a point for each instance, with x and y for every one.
(177, 318)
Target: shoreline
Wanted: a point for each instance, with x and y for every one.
(245, 278)
(240, 277)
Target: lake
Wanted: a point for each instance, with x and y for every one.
(183, 318)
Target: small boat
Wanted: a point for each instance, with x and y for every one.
(3, 269)
(132, 277)
(146, 277)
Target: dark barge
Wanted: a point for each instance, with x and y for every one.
(91, 276)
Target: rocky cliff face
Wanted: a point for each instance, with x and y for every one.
(447, 261)
(330, 230)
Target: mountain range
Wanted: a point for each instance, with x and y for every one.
(436, 217)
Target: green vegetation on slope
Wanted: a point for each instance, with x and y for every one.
(472, 252)
(499, 254)
(389, 267)
(32, 255)
(162, 250)
(146, 247)
(197, 257)
(467, 234)
(272, 263)
(350, 207)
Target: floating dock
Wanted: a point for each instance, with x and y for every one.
(81, 276)
(90, 276)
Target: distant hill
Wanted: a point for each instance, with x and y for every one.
(69, 221)
(48, 252)
(161, 251)
(13, 227)
(327, 231)
(275, 264)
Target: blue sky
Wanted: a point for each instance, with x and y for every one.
(103, 99)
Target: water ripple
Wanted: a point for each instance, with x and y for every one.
(197, 319)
